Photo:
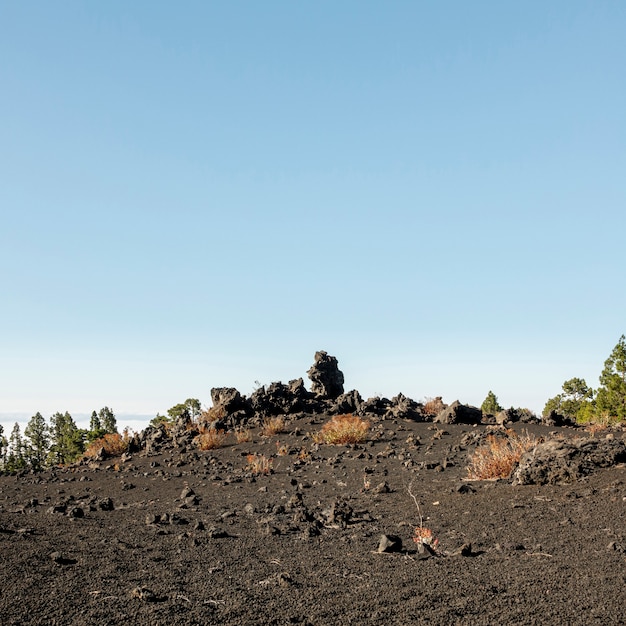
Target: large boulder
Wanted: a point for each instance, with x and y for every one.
(326, 377)
(559, 462)
(458, 413)
(229, 406)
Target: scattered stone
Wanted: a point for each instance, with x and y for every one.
(382, 488)
(145, 594)
(60, 559)
(389, 543)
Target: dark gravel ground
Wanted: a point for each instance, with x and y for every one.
(189, 537)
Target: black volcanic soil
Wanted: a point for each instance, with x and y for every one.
(299, 546)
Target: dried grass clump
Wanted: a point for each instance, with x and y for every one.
(499, 455)
(112, 444)
(342, 430)
(272, 426)
(259, 464)
(211, 438)
(213, 414)
(243, 435)
(433, 406)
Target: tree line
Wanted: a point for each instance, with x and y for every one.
(607, 404)
(58, 442)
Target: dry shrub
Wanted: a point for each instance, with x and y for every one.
(243, 435)
(272, 426)
(259, 464)
(433, 406)
(282, 449)
(211, 438)
(343, 429)
(499, 455)
(213, 414)
(113, 445)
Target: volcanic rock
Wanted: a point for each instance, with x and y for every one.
(326, 377)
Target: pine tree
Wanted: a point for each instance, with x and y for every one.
(611, 398)
(4, 444)
(490, 404)
(108, 420)
(96, 431)
(15, 457)
(38, 441)
(67, 440)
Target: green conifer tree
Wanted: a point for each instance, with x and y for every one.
(37, 442)
(611, 397)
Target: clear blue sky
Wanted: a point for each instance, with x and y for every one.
(203, 194)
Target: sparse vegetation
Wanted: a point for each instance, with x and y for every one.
(211, 438)
(499, 455)
(272, 426)
(259, 464)
(342, 430)
(111, 444)
(490, 405)
(433, 406)
(242, 434)
(214, 414)
(422, 535)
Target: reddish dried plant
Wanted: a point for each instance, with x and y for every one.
(499, 455)
(433, 406)
(211, 438)
(113, 444)
(272, 426)
(259, 464)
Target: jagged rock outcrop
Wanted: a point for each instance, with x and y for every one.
(280, 399)
(401, 407)
(559, 461)
(350, 402)
(458, 413)
(375, 406)
(229, 406)
(326, 377)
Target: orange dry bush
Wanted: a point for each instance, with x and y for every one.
(433, 406)
(499, 455)
(343, 429)
(272, 426)
(243, 435)
(211, 438)
(259, 464)
(425, 536)
(112, 445)
(213, 414)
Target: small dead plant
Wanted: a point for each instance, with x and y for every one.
(499, 455)
(282, 449)
(243, 435)
(259, 464)
(272, 426)
(422, 535)
(433, 406)
(211, 438)
(214, 414)
(342, 430)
